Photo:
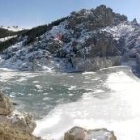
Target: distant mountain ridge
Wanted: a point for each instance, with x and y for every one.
(12, 28)
(86, 40)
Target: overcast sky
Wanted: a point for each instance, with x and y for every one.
(29, 13)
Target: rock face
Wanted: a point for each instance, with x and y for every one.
(14, 125)
(78, 133)
(94, 19)
(96, 63)
(138, 60)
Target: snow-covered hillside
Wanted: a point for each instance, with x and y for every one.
(130, 32)
(86, 40)
(7, 38)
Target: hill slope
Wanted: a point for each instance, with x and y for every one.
(85, 40)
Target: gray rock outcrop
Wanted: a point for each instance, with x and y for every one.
(14, 125)
(78, 133)
(138, 60)
(96, 18)
(5, 105)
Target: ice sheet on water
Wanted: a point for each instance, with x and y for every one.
(120, 112)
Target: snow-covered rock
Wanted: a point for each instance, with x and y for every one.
(129, 31)
(78, 133)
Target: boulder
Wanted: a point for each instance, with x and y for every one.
(78, 133)
(5, 105)
(17, 127)
(14, 125)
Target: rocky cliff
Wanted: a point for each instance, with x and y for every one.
(14, 125)
(80, 42)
